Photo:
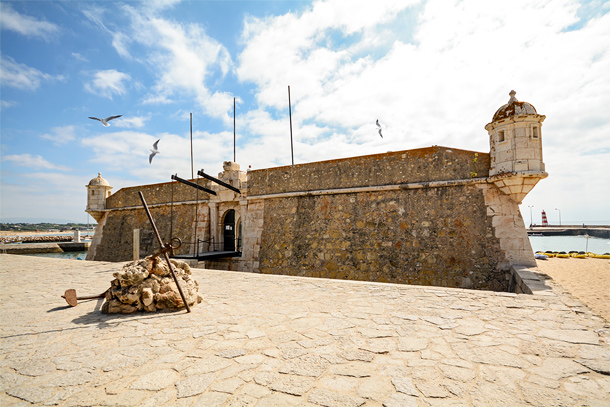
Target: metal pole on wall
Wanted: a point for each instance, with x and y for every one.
(290, 112)
(233, 129)
(192, 171)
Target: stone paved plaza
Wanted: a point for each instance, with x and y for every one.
(266, 340)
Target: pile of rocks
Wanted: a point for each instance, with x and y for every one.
(147, 285)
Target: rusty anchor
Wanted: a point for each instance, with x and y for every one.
(165, 248)
(174, 243)
(72, 299)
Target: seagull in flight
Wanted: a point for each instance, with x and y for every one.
(379, 127)
(106, 120)
(154, 151)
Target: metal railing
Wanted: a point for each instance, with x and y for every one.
(205, 246)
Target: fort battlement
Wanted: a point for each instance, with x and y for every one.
(431, 216)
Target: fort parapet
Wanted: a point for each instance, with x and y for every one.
(432, 216)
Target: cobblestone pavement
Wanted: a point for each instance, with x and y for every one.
(265, 340)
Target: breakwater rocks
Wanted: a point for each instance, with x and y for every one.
(41, 239)
(147, 285)
(37, 239)
(47, 239)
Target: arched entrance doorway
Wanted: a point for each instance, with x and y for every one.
(228, 227)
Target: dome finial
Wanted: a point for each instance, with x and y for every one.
(512, 99)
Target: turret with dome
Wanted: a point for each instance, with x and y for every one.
(98, 190)
(515, 138)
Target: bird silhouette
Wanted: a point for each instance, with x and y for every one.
(106, 120)
(154, 151)
(379, 127)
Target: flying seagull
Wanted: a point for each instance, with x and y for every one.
(154, 151)
(106, 120)
(379, 127)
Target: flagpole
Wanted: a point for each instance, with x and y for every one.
(290, 111)
(233, 129)
(192, 172)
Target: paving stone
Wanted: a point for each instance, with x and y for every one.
(254, 390)
(128, 398)
(412, 344)
(31, 394)
(485, 394)
(194, 385)
(156, 380)
(544, 397)
(353, 369)
(36, 368)
(250, 359)
(308, 365)
(158, 399)
(292, 353)
(213, 399)
(291, 384)
(432, 390)
(73, 378)
(457, 373)
(379, 344)
(377, 333)
(227, 386)
(207, 365)
(375, 388)
(571, 336)
(279, 400)
(9, 380)
(338, 383)
(330, 399)
(599, 366)
(556, 369)
(489, 355)
(400, 400)
(255, 333)
(265, 378)
(231, 353)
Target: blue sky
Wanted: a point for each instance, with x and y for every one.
(432, 72)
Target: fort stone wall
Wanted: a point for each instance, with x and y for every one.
(431, 216)
(424, 164)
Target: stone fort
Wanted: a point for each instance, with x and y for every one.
(431, 216)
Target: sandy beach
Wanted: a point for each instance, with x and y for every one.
(586, 279)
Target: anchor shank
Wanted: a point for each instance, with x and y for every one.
(169, 263)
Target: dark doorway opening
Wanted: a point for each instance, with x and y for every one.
(229, 231)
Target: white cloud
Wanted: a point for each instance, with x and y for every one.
(79, 57)
(127, 152)
(25, 25)
(441, 87)
(35, 162)
(185, 58)
(5, 104)
(131, 122)
(108, 83)
(21, 76)
(60, 135)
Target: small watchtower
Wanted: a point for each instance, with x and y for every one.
(98, 190)
(515, 138)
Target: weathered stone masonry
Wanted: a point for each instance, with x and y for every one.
(430, 216)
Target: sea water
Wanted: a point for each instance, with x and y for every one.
(570, 243)
(64, 255)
